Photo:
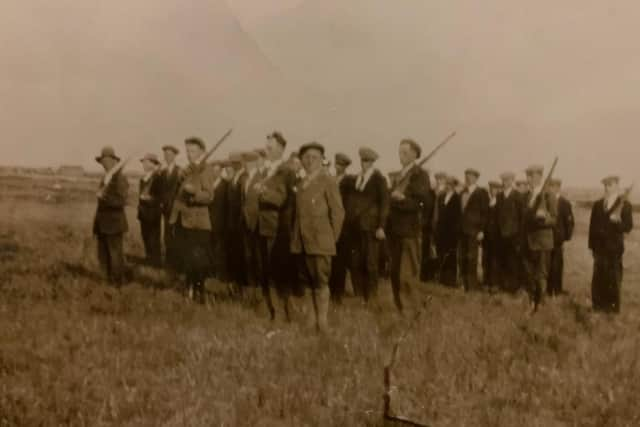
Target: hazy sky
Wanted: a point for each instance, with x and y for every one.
(521, 82)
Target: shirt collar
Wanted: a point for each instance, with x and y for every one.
(471, 188)
(147, 176)
(405, 170)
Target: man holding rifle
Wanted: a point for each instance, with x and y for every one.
(110, 222)
(190, 217)
(539, 218)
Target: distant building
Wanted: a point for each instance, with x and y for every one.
(70, 170)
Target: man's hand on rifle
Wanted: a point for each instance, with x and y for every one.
(380, 234)
(189, 189)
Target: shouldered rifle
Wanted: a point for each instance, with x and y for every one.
(545, 186)
(623, 198)
(437, 148)
(213, 149)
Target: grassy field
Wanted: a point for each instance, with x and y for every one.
(74, 351)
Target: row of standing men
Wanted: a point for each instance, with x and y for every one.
(278, 227)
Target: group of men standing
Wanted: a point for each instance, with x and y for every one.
(277, 227)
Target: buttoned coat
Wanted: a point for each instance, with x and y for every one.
(110, 218)
(193, 209)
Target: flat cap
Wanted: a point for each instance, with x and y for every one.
(195, 141)
(522, 182)
(262, 152)
(534, 169)
(107, 152)
(342, 159)
(610, 179)
(151, 157)
(472, 171)
(170, 147)
(276, 135)
(311, 146)
(414, 146)
(250, 156)
(368, 154)
(495, 184)
(235, 157)
(452, 180)
(555, 182)
(507, 176)
(440, 175)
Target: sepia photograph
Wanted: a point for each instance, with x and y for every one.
(324, 213)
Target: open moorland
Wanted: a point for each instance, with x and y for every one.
(74, 351)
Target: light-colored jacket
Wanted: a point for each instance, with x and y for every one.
(319, 215)
(193, 210)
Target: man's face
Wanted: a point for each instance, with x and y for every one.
(296, 164)
(493, 191)
(522, 188)
(261, 161)
(274, 150)
(406, 154)
(108, 163)
(194, 152)
(312, 160)
(554, 190)
(216, 170)
(169, 156)
(470, 178)
(230, 171)
(340, 169)
(148, 165)
(534, 179)
(507, 183)
(366, 165)
(611, 188)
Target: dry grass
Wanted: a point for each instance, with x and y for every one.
(76, 352)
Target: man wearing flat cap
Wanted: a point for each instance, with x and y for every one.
(562, 232)
(110, 222)
(340, 263)
(409, 189)
(218, 211)
(509, 209)
(319, 216)
(276, 197)
(169, 179)
(611, 219)
(190, 217)
(539, 219)
(447, 232)
(150, 209)
(475, 212)
(366, 210)
(491, 254)
(236, 266)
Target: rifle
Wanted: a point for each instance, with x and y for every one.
(433, 152)
(545, 184)
(623, 198)
(208, 154)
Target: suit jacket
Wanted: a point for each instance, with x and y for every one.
(234, 205)
(448, 224)
(476, 212)
(492, 229)
(150, 209)
(563, 231)
(110, 217)
(605, 236)
(218, 208)
(367, 210)
(193, 210)
(509, 212)
(251, 201)
(538, 232)
(275, 200)
(319, 216)
(405, 216)
(169, 183)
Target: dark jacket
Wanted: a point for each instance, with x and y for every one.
(605, 236)
(509, 211)
(475, 213)
(192, 210)
(150, 199)
(563, 231)
(218, 208)
(492, 229)
(447, 227)
(110, 217)
(234, 206)
(405, 216)
(275, 200)
(169, 184)
(367, 210)
(251, 201)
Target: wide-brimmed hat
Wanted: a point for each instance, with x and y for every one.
(195, 141)
(107, 152)
(414, 146)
